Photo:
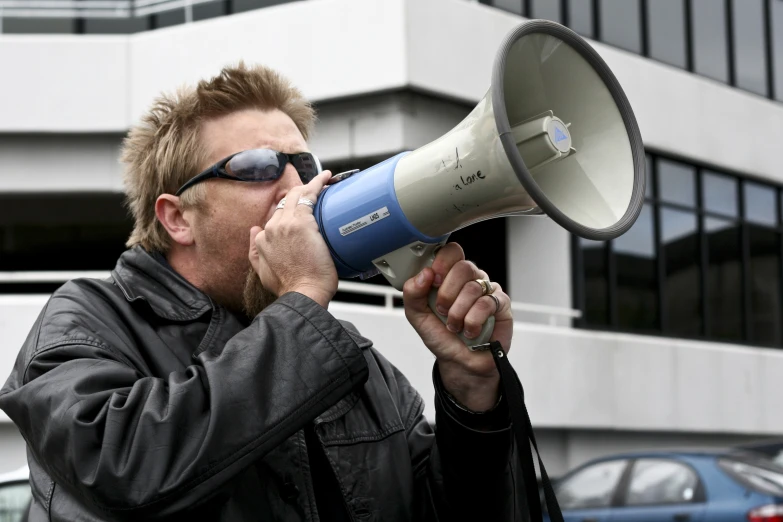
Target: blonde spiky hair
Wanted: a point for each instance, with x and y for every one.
(164, 150)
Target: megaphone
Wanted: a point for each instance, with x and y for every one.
(554, 135)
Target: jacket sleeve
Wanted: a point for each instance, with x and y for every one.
(141, 447)
(465, 467)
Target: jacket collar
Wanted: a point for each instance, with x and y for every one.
(148, 278)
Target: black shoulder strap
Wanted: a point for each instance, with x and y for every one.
(523, 434)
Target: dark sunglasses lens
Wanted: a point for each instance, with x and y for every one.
(257, 165)
(307, 166)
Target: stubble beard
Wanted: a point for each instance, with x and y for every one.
(255, 297)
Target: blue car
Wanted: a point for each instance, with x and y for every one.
(679, 486)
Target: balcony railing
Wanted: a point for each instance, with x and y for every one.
(551, 313)
(94, 8)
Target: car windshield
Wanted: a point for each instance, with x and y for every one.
(761, 475)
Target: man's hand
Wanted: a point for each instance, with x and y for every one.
(471, 377)
(289, 255)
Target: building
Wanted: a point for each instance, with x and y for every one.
(669, 335)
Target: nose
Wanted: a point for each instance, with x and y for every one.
(287, 181)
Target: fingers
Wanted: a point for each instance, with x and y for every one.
(309, 191)
(416, 291)
(460, 274)
(484, 308)
(469, 294)
(445, 259)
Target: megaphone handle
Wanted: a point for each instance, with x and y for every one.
(482, 338)
(400, 265)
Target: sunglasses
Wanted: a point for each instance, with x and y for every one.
(258, 165)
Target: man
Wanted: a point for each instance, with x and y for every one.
(206, 379)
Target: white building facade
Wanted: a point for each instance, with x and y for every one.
(668, 336)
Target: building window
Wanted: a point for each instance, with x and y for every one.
(749, 49)
(238, 6)
(511, 6)
(776, 47)
(580, 16)
(115, 25)
(168, 18)
(620, 24)
(710, 40)
(703, 261)
(38, 25)
(547, 10)
(666, 31)
(60, 232)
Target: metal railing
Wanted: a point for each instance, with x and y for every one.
(94, 8)
(388, 293)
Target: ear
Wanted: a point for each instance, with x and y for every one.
(171, 216)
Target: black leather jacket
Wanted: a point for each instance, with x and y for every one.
(141, 399)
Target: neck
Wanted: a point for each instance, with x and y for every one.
(215, 281)
(184, 262)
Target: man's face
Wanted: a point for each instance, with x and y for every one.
(222, 225)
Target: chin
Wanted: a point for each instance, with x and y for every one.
(255, 297)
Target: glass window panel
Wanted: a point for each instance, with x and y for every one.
(591, 487)
(749, 49)
(720, 194)
(648, 174)
(39, 25)
(246, 5)
(547, 10)
(116, 25)
(580, 17)
(169, 18)
(765, 285)
(596, 282)
(724, 279)
(14, 499)
(512, 6)
(710, 48)
(682, 287)
(777, 48)
(760, 204)
(621, 24)
(661, 482)
(82, 232)
(637, 280)
(676, 183)
(209, 10)
(666, 31)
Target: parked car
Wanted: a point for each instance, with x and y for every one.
(770, 448)
(679, 486)
(15, 495)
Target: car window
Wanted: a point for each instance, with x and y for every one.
(13, 501)
(764, 477)
(658, 481)
(590, 487)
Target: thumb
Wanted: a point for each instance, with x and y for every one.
(417, 289)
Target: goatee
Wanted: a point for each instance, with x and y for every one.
(255, 297)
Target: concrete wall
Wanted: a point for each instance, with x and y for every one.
(88, 83)
(60, 163)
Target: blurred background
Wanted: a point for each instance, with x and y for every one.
(667, 337)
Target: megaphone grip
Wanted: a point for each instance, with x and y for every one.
(483, 336)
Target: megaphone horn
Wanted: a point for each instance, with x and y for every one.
(554, 135)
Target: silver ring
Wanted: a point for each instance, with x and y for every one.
(497, 302)
(281, 204)
(305, 201)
